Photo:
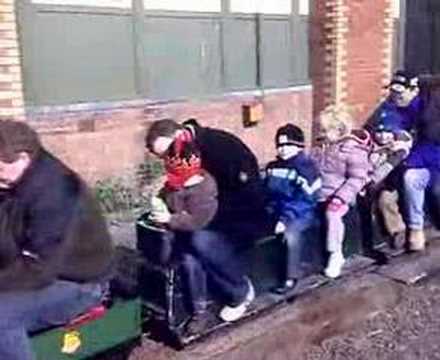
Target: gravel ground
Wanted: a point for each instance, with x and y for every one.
(411, 331)
(408, 332)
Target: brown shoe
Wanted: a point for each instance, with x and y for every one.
(398, 240)
(416, 240)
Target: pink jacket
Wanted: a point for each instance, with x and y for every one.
(344, 166)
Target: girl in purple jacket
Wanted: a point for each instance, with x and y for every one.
(344, 165)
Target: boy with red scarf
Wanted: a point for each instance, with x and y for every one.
(189, 206)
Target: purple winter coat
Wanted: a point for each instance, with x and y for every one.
(344, 166)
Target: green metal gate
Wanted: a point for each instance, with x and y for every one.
(422, 33)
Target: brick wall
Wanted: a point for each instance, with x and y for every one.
(103, 144)
(351, 53)
(350, 62)
(369, 53)
(11, 95)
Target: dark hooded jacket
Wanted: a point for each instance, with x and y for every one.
(51, 228)
(429, 122)
(235, 169)
(426, 152)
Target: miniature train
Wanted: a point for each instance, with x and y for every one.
(154, 300)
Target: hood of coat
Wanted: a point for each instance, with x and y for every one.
(357, 138)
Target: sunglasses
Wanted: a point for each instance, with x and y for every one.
(286, 144)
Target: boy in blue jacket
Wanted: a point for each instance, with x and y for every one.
(292, 182)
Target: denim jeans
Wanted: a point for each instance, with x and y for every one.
(416, 182)
(208, 255)
(28, 311)
(295, 242)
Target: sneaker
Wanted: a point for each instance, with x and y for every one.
(285, 287)
(334, 266)
(233, 313)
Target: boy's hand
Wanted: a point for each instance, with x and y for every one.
(158, 205)
(161, 217)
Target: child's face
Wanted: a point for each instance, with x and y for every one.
(286, 149)
(334, 132)
(383, 137)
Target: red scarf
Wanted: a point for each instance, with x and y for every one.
(182, 162)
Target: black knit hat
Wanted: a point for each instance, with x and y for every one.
(294, 135)
(402, 80)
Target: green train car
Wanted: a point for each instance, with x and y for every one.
(92, 333)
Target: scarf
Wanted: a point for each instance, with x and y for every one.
(182, 161)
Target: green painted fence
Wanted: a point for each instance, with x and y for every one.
(75, 54)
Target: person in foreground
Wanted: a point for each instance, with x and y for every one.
(56, 255)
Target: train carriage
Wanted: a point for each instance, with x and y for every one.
(156, 304)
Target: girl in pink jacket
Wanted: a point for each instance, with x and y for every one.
(344, 165)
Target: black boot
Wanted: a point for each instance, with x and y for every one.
(285, 287)
(198, 323)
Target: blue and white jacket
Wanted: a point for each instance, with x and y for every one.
(292, 187)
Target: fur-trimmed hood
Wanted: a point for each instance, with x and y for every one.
(357, 138)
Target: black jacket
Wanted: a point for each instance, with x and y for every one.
(226, 158)
(429, 123)
(235, 168)
(51, 228)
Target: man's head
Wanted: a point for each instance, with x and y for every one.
(289, 141)
(161, 135)
(19, 145)
(404, 87)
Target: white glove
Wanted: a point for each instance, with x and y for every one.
(280, 228)
(158, 205)
(162, 217)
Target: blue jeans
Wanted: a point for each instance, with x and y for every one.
(206, 255)
(29, 311)
(295, 242)
(416, 182)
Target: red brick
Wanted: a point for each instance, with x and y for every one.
(364, 62)
(115, 141)
(6, 103)
(6, 86)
